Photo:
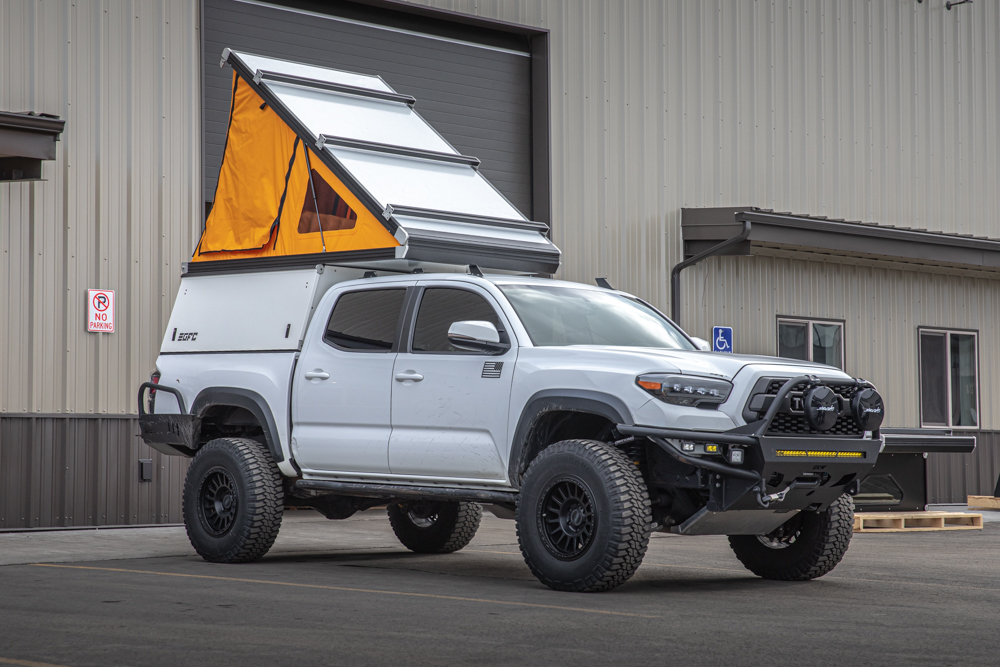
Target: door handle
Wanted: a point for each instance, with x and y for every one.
(318, 374)
(409, 375)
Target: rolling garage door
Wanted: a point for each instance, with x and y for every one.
(477, 95)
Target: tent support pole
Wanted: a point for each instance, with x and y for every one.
(312, 188)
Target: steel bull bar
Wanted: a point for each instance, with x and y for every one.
(802, 471)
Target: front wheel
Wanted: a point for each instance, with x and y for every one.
(233, 501)
(435, 527)
(583, 516)
(807, 546)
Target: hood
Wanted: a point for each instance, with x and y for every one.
(714, 364)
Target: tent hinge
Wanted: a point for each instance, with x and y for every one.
(387, 213)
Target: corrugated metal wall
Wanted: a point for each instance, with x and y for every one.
(120, 207)
(73, 471)
(878, 110)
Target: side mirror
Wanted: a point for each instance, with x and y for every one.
(702, 344)
(476, 336)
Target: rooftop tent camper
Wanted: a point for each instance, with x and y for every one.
(327, 166)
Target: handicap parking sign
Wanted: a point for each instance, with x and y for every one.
(722, 339)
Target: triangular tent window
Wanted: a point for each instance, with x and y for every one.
(334, 213)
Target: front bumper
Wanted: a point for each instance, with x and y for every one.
(777, 474)
(814, 471)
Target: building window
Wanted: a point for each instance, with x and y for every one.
(819, 341)
(949, 378)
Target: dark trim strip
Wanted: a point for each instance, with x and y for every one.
(344, 89)
(291, 350)
(449, 216)
(61, 415)
(707, 226)
(254, 264)
(391, 491)
(398, 151)
(26, 123)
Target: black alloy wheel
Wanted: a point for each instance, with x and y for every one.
(218, 502)
(566, 518)
(435, 526)
(583, 516)
(233, 501)
(807, 546)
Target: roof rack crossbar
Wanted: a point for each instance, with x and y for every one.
(329, 86)
(398, 151)
(414, 212)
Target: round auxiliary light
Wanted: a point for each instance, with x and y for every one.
(868, 409)
(822, 408)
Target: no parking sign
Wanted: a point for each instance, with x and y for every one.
(101, 310)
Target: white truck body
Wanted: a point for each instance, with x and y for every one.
(252, 331)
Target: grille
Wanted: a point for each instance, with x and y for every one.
(790, 424)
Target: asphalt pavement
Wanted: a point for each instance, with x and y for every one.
(346, 593)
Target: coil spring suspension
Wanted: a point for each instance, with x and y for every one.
(634, 449)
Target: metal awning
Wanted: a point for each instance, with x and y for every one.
(433, 199)
(25, 140)
(703, 228)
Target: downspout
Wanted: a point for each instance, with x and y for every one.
(675, 273)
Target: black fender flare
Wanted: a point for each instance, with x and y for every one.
(249, 400)
(575, 400)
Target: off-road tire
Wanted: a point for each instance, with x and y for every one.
(621, 517)
(821, 543)
(258, 495)
(453, 526)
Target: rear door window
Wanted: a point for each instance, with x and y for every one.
(366, 321)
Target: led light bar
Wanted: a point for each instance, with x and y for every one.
(785, 453)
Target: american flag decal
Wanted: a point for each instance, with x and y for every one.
(492, 369)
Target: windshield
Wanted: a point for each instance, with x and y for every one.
(568, 316)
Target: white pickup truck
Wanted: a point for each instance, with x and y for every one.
(581, 412)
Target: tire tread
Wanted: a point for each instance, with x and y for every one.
(265, 500)
(630, 517)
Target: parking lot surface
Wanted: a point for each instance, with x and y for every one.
(346, 593)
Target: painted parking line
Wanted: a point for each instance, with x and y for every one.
(26, 663)
(371, 591)
(744, 571)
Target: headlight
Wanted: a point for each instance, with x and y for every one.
(685, 389)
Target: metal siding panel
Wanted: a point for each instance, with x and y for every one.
(80, 471)
(477, 99)
(880, 112)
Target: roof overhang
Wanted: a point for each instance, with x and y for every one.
(701, 228)
(25, 140)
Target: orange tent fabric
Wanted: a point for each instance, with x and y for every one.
(265, 205)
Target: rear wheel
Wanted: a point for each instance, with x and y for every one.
(233, 501)
(435, 527)
(807, 546)
(583, 516)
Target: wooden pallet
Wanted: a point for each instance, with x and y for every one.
(984, 503)
(914, 522)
